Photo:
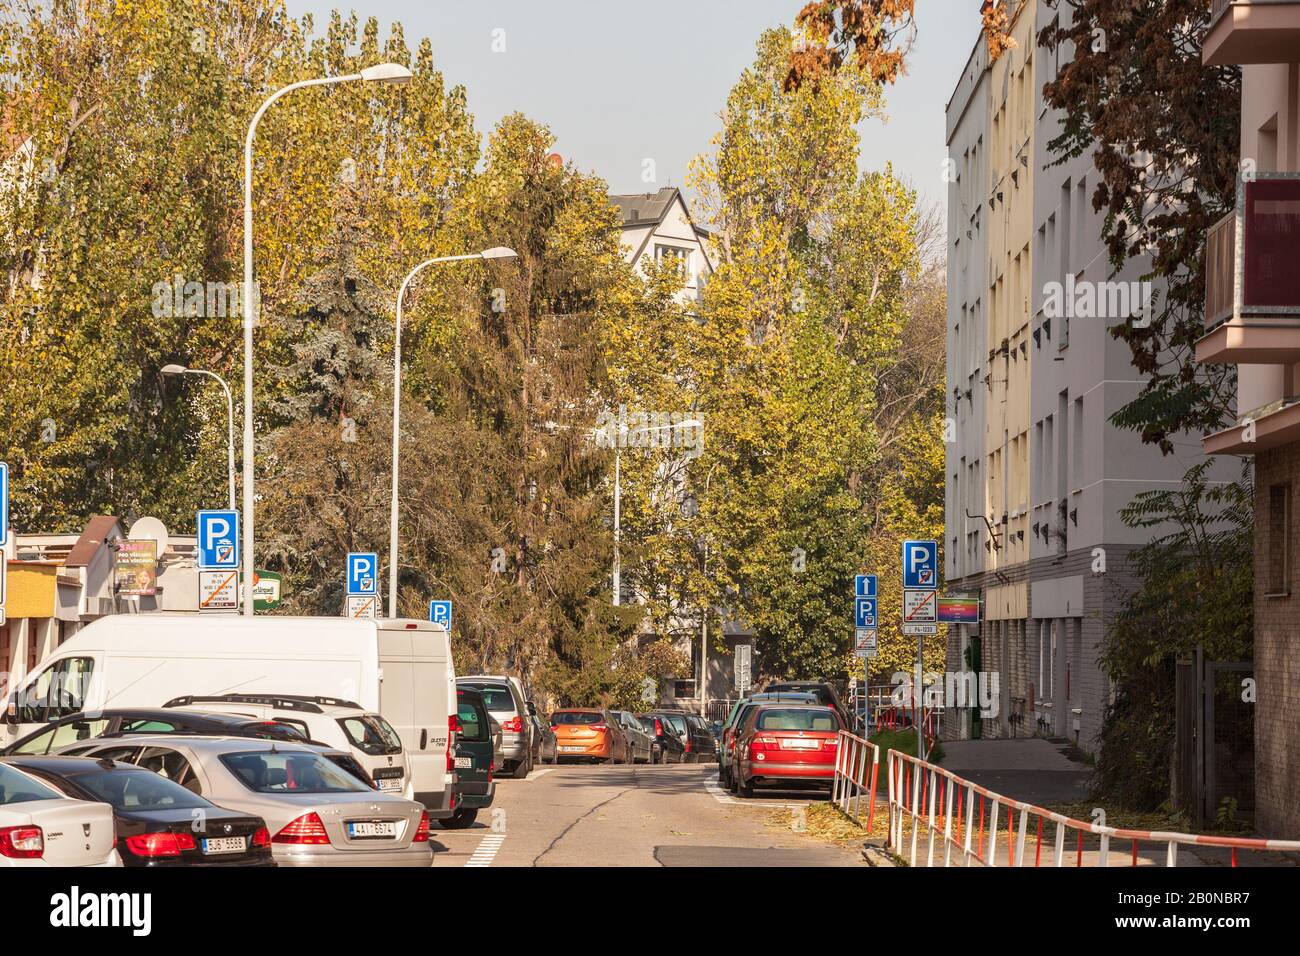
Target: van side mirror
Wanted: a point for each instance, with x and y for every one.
(532, 708)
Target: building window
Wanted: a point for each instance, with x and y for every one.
(676, 255)
(1279, 539)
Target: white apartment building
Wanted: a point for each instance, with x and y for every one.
(1038, 475)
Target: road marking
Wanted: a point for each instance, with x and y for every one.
(486, 851)
(722, 796)
(538, 773)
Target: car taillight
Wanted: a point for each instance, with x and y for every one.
(422, 831)
(659, 728)
(155, 845)
(600, 728)
(515, 725)
(305, 831)
(688, 744)
(453, 724)
(554, 727)
(832, 743)
(759, 744)
(451, 761)
(22, 843)
(261, 837)
(492, 768)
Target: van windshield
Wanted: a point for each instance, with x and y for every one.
(496, 697)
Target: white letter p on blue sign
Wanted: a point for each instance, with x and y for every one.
(921, 565)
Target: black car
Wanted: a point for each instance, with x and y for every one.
(65, 731)
(475, 760)
(665, 744)
(824, 692)
(698, 742)
(158, 822)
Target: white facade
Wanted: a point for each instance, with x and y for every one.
(656, 226)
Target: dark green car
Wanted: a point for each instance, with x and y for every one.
(475, 787)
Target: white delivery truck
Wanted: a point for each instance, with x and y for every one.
(401, 668)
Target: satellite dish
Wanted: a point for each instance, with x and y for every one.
(150, 529)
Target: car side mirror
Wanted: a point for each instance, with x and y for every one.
(532, 709)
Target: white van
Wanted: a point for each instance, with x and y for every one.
(400, 668)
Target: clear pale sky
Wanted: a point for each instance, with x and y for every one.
(619, 81)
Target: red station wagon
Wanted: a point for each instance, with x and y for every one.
(794, 743)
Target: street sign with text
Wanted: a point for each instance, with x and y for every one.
(363, 606)
(219, 590)
(920, 607)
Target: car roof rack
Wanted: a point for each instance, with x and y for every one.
(299, 702)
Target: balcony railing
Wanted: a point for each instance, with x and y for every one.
(1252, 256)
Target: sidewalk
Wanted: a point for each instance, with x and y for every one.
(1032, 770)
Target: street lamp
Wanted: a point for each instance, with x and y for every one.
(230, 418)
(618, 474)
(496, 252)
(393, 73)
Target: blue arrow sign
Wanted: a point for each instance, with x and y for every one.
(440, 613)
(363, 573)
(864, 585)
(218, 540)
(864, 612)
(921, 565)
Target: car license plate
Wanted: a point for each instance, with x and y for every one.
(225, 845)
(381, 829)
(800, 744)
(464, 763)
(569, 750)
(389, 784)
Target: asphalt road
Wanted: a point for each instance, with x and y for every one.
(633, 816)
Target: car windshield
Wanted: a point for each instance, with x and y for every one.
(815, 719)
(138, 790)
(371, 734)
(17, 787)
(271, 772)
(575, 717)
(496, 697)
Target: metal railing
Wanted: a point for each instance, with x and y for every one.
(944, 806)
(857, 766)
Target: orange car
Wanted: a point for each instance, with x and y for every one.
(586, 733)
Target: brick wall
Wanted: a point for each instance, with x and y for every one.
(1277, 645)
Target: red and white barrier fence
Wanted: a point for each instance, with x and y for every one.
(963, 818)
(857, 765)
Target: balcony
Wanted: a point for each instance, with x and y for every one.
(1252, 31)
(1252, 283)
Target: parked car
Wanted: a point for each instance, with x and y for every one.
(504, 697)
(36, 822)
(786, 743)
(77, 727)
(666, 745)
(587, 733)
(142, 660)
(326, 720)
(727, 745)
(475, 759)
(697, 741)
(544, 746)
(824, 691)
(640, 745)
(318, 813)
(159, 822)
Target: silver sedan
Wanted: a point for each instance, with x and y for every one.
(319, 813)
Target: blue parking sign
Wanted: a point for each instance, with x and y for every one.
(864, 612)
(921, 565)
(218, 540)
(864, 585)
(440, 613)
(363, 573)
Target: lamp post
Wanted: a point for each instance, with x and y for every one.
(496, 252)
(230, 419)
(618, 476)
(393, 73)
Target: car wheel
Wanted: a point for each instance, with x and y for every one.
(520, 769)
(460, 820)
(745, 788)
